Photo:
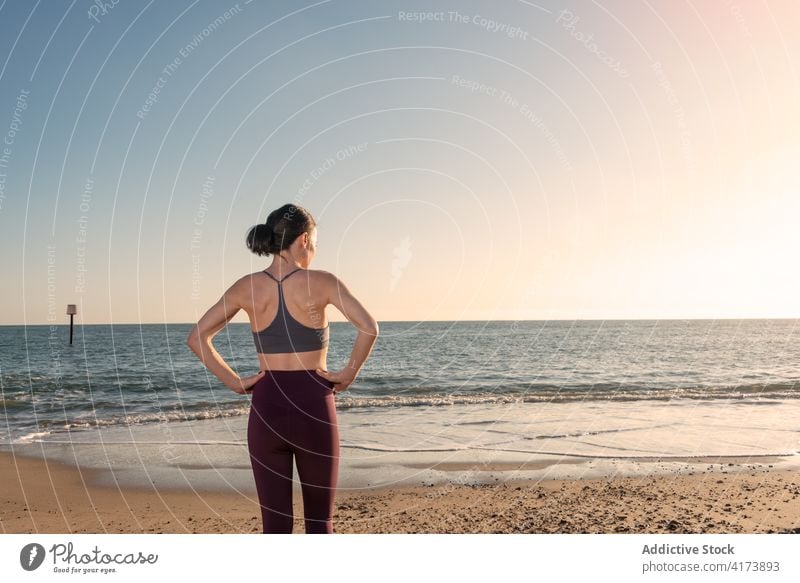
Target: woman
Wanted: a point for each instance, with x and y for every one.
(292, 412)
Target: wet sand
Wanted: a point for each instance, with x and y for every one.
(710, 496)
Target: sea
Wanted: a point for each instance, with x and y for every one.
(431, 393)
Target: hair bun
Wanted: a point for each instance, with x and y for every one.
(281, 229)
(272, 245)
(260, 240)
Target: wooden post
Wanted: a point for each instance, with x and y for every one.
(72, 309)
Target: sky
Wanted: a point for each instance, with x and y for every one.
(510, 160)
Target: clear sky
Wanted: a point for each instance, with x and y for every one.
(464, 160)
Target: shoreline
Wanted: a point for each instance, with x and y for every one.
(730, 496)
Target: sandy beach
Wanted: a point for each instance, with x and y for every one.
(41, 496)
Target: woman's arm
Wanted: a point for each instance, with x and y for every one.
(201, 336)
(367, 327)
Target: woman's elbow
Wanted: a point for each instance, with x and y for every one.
(193, 339)
(371, 328)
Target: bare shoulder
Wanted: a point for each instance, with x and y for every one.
(329, 280)
(326, 282)
(320, 279)
(320, 276)
(343, 299)
(243, 286)
(246, 280)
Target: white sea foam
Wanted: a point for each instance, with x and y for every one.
(412, 445)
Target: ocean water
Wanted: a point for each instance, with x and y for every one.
(139, 375)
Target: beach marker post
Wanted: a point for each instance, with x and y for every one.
(72, 309)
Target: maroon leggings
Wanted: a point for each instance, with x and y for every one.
(292, 413)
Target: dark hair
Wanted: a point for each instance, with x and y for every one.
(282, 227)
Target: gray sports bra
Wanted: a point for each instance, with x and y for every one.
(285, 334)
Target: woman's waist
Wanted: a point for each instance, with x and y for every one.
(292, 383)
(291, 372)
(292, 361)
(288, 370)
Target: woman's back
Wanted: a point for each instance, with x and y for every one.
(287, 318)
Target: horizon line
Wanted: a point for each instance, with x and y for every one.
(417, 321)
